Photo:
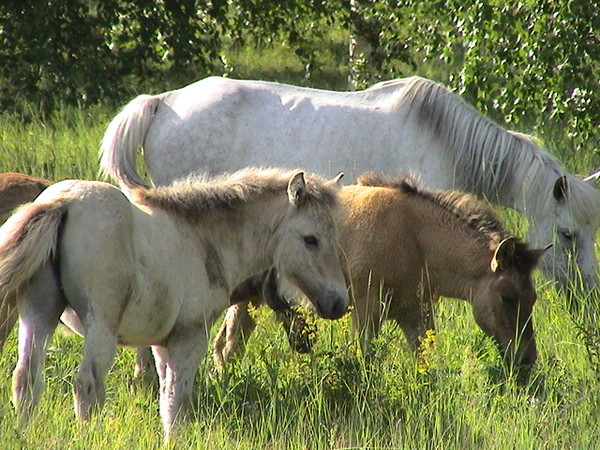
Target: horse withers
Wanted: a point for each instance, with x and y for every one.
(15, 189)
(404, 247)
(158, 270)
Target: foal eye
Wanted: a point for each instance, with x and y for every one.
(508, 299)
(311, 241)
(566, 235)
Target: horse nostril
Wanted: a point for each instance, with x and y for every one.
(340, 307)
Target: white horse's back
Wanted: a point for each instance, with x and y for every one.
(408, 125)
(232, 124)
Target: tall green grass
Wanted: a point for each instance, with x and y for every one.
(64, 145)
(457, 396)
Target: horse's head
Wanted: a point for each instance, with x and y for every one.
(307, 247)
(569, 220)
(503, 301)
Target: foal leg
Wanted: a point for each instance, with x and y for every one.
(8, 317)
(40, 307)
(237, 322)
(98, 356)
(416, 322)
(144, 367)
(177, 369)
(367, 314)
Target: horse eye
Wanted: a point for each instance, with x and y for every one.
(566, 235)
(311, 241)
(508, 299)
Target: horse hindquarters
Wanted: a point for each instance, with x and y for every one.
(27, 244)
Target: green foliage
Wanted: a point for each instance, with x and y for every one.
(63, 145)
(533, 64)
(78, 52)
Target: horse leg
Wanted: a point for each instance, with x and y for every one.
(237, 322)
(98, 356)
(177, 369)
(367, 314)
(144, 367)
(415, 323)
(40, 306)
(160, 360)
(8, 317)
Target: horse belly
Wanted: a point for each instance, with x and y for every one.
(146, 324)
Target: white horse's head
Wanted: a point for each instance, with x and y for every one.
(569, 220)
(307, 248)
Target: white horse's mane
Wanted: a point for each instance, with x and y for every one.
(488, 159)
(200, 194)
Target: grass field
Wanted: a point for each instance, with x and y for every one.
(457, 396)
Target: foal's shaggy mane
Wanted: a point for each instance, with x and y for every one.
(196, 196)
(470, 212)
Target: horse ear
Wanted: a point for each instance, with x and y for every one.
(593, 178)
(297, 189)
(537, 253)
(503, 254)
(336, 179)
(560, 189)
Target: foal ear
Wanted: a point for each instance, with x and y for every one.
(503, 254)
(297, 189)
(537, 253)
(336, 179)
(560, 189)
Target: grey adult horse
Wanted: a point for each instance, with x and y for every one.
(413, 124)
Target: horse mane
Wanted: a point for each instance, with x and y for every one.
(489, 158)
(472, 213)
(466, 208)
(198, 195)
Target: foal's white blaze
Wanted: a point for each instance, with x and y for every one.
(410, 124)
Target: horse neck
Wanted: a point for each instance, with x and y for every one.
(528, 191)
(454, 260)
(245, 236)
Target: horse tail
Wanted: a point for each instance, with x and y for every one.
(28, 239)
(124, 135)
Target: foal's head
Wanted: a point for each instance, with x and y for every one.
(503, 301)
(307, 247)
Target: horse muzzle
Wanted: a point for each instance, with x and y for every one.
(524, 356)
(331, 305)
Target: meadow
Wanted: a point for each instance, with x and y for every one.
(456, 395)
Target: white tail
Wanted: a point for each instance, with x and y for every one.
(123, 137)
(27, 240)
